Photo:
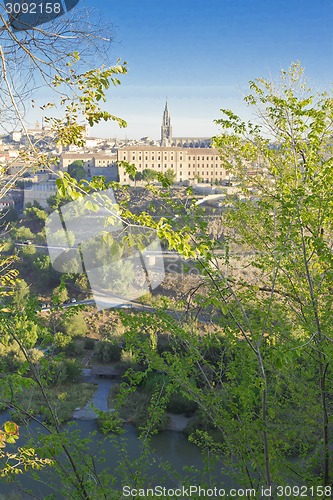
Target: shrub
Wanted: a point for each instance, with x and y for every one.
(61, 340)
(89, 344)
(76, 325)
(73, 370)
(74, 348)
(202, 423)
(108, 350)
(135, 410)
(181, 404)
(61, 371)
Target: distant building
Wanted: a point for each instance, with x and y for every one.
(6, 203)
(40, 193)
(189, 164)
(191, 158)
(95, 164)
(166, 129)
(179, 142)
(17, 196)
(16, 136)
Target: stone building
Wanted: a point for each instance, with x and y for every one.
(39, 192)
(180, 142)
(189, 164)
(94, 163)
(191, 158)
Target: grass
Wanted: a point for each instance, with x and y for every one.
(63, 400)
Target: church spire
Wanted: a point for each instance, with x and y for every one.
(166, 130)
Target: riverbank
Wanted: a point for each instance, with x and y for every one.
(99, 401)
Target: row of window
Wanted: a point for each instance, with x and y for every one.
(209, 179)
(203, 166)
(153, 157)
(166, 156)
(194, 158)
(196, 167)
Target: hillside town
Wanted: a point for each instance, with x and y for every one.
(191, 160)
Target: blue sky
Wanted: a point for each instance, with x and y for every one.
(202, 53)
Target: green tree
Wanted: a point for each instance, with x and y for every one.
(75, 326)
(170, 175)
(35, 211)
(286, 223)
(23, 233)
(80, 91)
(76, 170)
(21, 295)
(60, 294)
(149, 175)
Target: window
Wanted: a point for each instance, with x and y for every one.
(171, 165)
(159, 165)
(133, 158)
(180, 165)
(146, 157)
(140, 158)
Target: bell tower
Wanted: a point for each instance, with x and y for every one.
(166, 129)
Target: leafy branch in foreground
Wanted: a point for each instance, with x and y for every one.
(23, 459)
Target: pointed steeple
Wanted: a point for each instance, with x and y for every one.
(166, 130)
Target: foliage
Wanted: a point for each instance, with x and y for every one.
(60, 371)
(76, 170)
(89, 344)
(10, 215)
(261, 383)
(21, 295)
(20, 461)
(60, 294)
(108, 350)
(149, 175)
(75, 325)
(23, 233)
(35, 211)
(109, 422)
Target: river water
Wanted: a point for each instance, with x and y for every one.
(167, 447)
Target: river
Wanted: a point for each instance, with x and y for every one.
(168, 446)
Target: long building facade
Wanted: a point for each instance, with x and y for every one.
(189, 164)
